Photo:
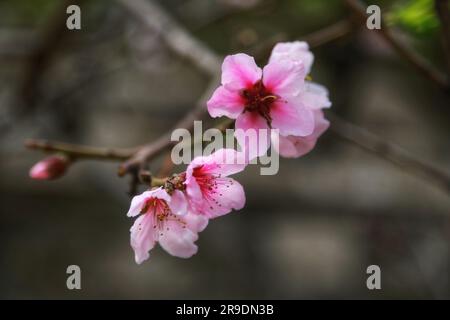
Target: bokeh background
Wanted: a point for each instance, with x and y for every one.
(308, 232)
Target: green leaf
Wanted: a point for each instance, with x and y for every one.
(417, 16)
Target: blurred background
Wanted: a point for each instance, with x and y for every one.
(308, 232)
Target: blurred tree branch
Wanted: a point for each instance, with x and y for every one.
(173, 34)
(315, 39)
(416, 60)
(75, 151)
(370, 142)
(443, 12)
(53, 33)
(182, 43)
(49, 39)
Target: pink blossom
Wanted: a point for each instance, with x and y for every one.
(294, 147)
(50, 168)
(164, 219)
(262, 99)
(209, 189)
(312, 95)
(296, 51)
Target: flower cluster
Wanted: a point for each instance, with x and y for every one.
(279, 96)
(175, 213)
(276, 97)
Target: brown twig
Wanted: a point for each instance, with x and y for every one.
(49, 39)
(52, 35)
(183, 44)
(173, 34)
(166, 166)
(315, 39)
(153, 149)
(416, 60)
(443, 12)
(328, 34)
(389, 151)
(75, 151)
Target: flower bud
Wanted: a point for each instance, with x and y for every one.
(50, 168)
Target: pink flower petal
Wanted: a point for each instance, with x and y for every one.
(292, 118)
(294, 147)
(284, 78)
(196, 222)
(225, 103)
(178, 240)
(193, 190)
(228, 195)
(297, 51)
(253, 134)
(143, 237)
(321, 124)
(220, 164)
(138, 201)
(315, 96)
(178, 203)
(223, 162)
(240, 71)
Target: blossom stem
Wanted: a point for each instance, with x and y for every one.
(80, 151)
(158, 182)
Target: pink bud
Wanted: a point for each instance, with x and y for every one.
(50, 168)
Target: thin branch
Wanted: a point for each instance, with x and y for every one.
(75, 151)
(166, 167)
(416, 60)
(183, 44)
(443, 12)
(173, 34)
(52, 35)
(318, 38)
(389, 151)
(28, 92)
(153, 149)
(329, 34)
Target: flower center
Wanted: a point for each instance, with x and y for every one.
(259, 99)
(175, 182)
(207, 182)
(161, 214)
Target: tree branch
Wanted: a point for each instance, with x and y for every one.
(52, 35)
(75, 151)
(153, 149)
(173, 34)
(389, 151)
(417, 61)
(315, 39)
(328, 34)
(443, 12)
(183, 44)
